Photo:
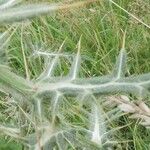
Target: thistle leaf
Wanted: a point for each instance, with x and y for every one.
(55, 104)
(46, 134)
(25, 12)
(8, 3)
(4, 40)
(50, 139)
(3, 37)
(51, 64)
(12, 80)
(120, 67)
(97, 124)
(76, 63)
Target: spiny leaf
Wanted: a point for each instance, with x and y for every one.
(25, 12)
(4, 40)
(3, 37)
(141, 80)
(98, 127)
(120, 67)
(55, 104)
(16, 82)
(20, 13)
(76, 63)
(38, 110)
(8, 3)
(51, 65)
(49, 139)
(61, 142)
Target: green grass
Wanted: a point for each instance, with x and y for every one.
(101, 37)
(5, 145)
(100, 26)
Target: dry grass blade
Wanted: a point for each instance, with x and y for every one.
(138, 110)
(133, 16)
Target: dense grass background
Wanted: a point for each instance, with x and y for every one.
(100, 25)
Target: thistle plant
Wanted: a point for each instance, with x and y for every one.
(40, 110)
